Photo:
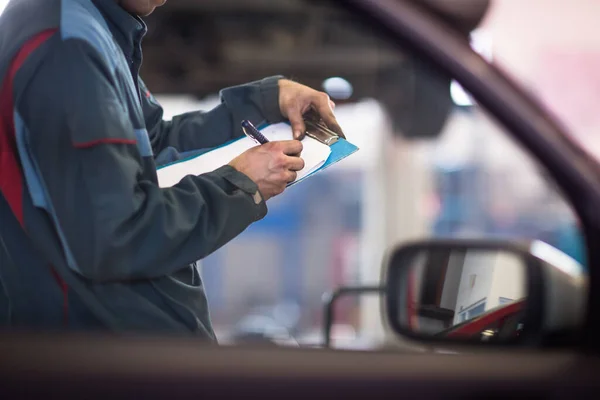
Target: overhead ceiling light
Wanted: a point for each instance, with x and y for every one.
(459, 95)
(481, 43)
(338, 88)
(3, 4)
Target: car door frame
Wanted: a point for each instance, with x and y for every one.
(575, 172)
(98, 367)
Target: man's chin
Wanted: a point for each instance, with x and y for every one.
(151, 7)
(159, 3)
(146, 12)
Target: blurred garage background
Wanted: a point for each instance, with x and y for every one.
(431, 163)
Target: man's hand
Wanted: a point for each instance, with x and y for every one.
(296, 99)
(271, 166)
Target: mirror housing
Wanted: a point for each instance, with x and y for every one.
(551, 306)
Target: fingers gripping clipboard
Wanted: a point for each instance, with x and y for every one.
(321, 149)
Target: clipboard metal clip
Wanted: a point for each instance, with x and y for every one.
(316, 129)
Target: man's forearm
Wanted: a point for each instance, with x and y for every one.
(257, 101)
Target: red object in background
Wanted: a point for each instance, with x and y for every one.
(411, 302)
(480, 323)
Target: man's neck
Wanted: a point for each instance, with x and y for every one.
(127, 29)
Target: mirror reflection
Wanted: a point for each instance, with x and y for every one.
(464, 294)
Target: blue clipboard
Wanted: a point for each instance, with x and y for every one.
(339, 150)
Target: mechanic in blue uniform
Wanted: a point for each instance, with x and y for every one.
(88, 240)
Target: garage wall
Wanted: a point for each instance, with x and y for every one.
(508, 281)
(475, 283)
(452, 282)
(553, 47)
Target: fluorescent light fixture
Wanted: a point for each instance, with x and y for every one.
(557, 258)
(481, 43)
(3, 4)
(338, 88)
(459, 96)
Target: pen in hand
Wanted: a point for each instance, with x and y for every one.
(253, 133)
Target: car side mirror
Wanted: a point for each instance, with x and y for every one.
(484, 292)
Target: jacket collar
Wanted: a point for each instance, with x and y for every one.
(127, 29)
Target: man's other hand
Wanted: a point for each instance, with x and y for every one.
(271, 166)
(296, 99)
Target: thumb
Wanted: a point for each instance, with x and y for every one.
(297, 122)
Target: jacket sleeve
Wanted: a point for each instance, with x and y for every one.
(256, 101)
(113, 219)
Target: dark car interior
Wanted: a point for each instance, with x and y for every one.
(196, 47)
